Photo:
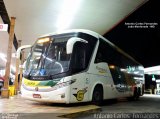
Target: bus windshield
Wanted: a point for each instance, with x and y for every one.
(48, 57)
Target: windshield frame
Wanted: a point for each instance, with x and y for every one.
(70, 70)
(44, 55)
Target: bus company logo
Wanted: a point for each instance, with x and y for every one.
(101, 70)
(80, 94)
(36, 88)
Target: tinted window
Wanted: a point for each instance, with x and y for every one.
(82, 53)
(108, 54)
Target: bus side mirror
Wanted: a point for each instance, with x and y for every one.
(71, 42)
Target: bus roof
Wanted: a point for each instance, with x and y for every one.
(73, 30)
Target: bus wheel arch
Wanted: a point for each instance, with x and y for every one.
(97, 94)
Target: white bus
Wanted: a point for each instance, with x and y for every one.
(80, 66)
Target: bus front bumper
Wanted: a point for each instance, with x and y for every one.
(57, 96)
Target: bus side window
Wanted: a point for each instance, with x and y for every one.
(98, 57)
(79, 57)
(105, 53)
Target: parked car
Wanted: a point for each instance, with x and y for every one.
(1, 83)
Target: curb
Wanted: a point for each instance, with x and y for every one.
(85, 112)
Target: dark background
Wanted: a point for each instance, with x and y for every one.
(141, 43)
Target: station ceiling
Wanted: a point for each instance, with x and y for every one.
(35, 18)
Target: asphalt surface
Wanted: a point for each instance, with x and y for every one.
(148, 106)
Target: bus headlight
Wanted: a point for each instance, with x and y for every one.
(64, 84)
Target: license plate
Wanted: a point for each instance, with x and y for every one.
(36, 96)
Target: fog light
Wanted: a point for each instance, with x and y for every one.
(63, 96)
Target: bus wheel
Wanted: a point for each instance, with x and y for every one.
(97, 97)
(135, 95)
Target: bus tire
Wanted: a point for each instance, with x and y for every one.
(97, 97)
(135, 95)
(139, 91)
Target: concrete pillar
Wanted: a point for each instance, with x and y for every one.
(17, 72)
(5, 89)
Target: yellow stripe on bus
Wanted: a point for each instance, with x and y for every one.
(30, 83)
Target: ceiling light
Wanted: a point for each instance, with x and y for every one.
(68, 11)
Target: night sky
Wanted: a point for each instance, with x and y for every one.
(141, 43)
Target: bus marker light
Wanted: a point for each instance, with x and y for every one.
(43, 40)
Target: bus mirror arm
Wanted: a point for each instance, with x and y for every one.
(71, 42)
(20, 49)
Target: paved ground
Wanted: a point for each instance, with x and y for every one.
(31, 109)
(27, 109)
(147, 104)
